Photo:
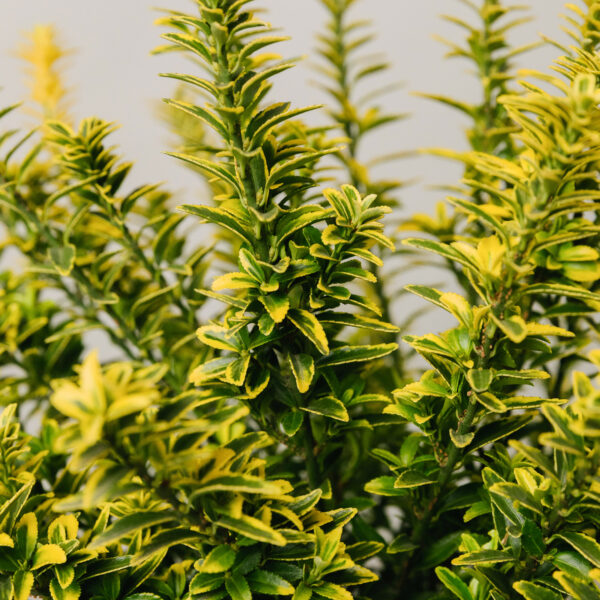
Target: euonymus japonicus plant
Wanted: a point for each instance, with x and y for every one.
(282, 448)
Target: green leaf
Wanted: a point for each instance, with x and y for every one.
(514, 327)
(234, 223)
(332, 591)
(277, 306)
(443, 250)
(480, 379)
(454, 583)
(516, 494)
(146, 298)
(358, 321)
(461, 440)
(164, 540)
(490, 402)
(309, 326)
(572, 563)
(206, 116)
(352, 354)
(472, 209)
(384, 486)
(483, 557)
(491, 478)
(576, 588)
(291, 422)
(203, 583)
(298, 218)
(303, 369)
(264, 582)
(252, 528)
(328, 406)
(236, 371)
(128, 525)
(218, 560)
(103, 566)
(72, 592)
(237, 587)
(438, 551)
(27, 534)
(401, 543)
(412, 479)
(218, 337)
(588, 547)
(65, 575)
(48, 554)
(533, 539)
(532, 591)
(238, 482)
(63, 258)
(497, 430)
(233, 281)
(570, 291)
(22, 582)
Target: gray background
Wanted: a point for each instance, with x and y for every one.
(112, 75)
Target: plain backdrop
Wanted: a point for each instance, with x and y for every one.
(113, 76)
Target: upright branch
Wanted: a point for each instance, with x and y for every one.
(534, 245)
(280, 345)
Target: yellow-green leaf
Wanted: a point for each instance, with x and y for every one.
(514, 327)
(218, 560)
(587, 546)
(533, 591)
(264, 582)
(65, 575)
(303, 369)
(461, 440)
(63, 258)
(352, 354)
(480, 379)
(411, 479)
(328, 406)
(277, 306)
(22, 582)
(454, 583)
(237, 587)
(27, 534)
(70, 593)
(48, 554)
(252, 528)
(309, 326)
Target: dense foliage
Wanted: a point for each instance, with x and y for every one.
(286, 447)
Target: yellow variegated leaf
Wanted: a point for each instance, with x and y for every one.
(277, 306)
(541, 329)
(22, 582)
(72, 592)
(309, 326)
(217, 337)
(27, 534)
(233, 281)
(48, 554)
(303, 369)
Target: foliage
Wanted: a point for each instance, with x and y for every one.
(281, 448)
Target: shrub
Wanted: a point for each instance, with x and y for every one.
(287, 447)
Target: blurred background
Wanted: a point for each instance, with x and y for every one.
(112, 75)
